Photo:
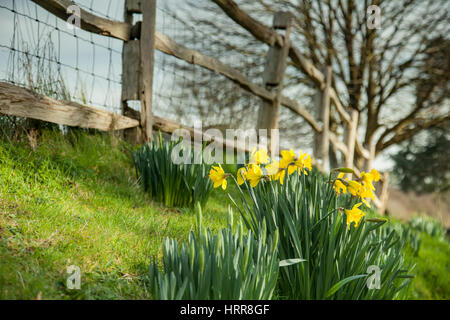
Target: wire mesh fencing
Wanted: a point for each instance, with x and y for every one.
(47, 55)
(44, 53)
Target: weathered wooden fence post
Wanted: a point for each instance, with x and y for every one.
(325, 143)
(148, 29)
(371, 158)
(351, 139)
(137, 69)
(322, 140)
(273, 78)
(384, 195)
(131, 74)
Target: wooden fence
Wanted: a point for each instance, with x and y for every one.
(139, 42)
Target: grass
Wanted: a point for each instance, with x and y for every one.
(75, 201)
(433, 270)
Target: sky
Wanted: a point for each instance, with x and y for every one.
(79, 57)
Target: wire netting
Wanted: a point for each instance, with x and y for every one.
(42, 52)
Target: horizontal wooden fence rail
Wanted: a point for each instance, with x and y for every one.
(170, 126)
(89, 21)
(20, 102)
(170, 47)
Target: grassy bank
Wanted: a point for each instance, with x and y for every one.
(75, 201)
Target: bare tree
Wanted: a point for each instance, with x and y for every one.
(376, 69)
(396, 77)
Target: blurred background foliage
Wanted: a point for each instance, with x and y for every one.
(424, 166)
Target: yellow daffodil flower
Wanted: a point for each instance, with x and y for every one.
(218, 177)
(355, 188)
(338, 185)
(241, 175)
(362, 188)
(367, 178)
(303, 162)
(359, 190)
(367, 193)
(375, 174)
(259, 157)
(307, 163)
(275, 172)
(272, 168)
(287, 159)
(280, 175)
(354, 215)
(290, 160)
(254, 175)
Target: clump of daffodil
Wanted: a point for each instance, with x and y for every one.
(354, 215)
(261, 167)
(218, 177)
